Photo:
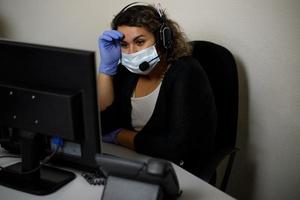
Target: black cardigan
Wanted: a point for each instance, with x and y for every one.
(182, 126)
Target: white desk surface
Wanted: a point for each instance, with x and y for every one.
(193, 188)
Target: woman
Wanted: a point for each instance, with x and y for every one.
(158, 100)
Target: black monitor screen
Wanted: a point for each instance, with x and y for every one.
(48, 93)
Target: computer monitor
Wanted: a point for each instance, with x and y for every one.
(48, 92)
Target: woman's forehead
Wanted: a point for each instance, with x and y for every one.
(132, 32)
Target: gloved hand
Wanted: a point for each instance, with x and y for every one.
(111, 137)
(110, 51)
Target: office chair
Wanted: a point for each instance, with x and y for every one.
(220, 67)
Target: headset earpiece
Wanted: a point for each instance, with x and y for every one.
(166, 36)
(165, 33)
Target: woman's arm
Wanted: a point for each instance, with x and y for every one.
(126, 138)
(105, 90)
(110, 53)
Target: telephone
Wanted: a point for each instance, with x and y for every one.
(154, 179)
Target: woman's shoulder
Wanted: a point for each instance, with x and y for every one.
(188, 58)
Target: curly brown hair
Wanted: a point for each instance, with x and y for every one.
(147, 16)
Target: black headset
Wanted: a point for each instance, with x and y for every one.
(165, 33)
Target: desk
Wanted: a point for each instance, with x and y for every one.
(193, 188)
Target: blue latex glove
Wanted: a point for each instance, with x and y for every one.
(110, 51)
(111, 137)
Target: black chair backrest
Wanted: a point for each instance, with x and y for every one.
(220, 67)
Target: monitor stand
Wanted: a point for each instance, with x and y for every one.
(42, 179)
(49, 180)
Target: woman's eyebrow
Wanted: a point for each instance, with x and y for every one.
(134, 39)
(138, 37)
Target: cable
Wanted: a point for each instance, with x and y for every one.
(57, 143)
(42, 163)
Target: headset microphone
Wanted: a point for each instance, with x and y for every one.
(146, 64)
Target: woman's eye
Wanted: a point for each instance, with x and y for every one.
(140, 42)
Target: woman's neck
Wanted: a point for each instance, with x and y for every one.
(158, 71)
(147, 83)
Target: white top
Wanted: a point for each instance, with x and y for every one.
(142, 108)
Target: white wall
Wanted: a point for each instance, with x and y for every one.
(264, 36)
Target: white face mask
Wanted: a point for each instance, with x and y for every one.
(146, 58)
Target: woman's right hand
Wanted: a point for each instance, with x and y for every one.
(110, 51)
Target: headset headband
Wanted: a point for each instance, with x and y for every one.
(157, 7)
(165, 33)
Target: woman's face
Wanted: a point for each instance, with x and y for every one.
(136, 39)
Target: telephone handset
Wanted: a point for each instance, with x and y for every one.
(152, 176)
